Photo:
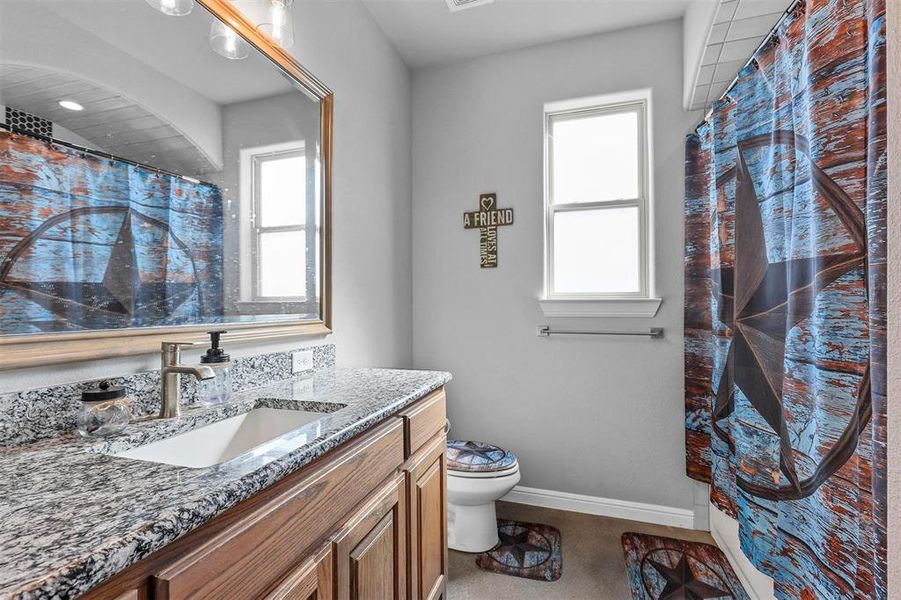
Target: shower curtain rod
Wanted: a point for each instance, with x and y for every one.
(107, 155)
(766, 39)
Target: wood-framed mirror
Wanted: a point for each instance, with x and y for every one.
(161, 176)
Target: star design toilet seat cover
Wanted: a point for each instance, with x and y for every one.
(465, 455)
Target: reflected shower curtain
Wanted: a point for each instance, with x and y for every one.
(785, 303)
(92, 242)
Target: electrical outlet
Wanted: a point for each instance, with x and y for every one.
(301, 361)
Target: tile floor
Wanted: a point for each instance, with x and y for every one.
(593, 567)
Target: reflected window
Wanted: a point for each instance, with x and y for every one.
(281, 226)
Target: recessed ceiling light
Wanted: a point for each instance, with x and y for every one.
(70, 105)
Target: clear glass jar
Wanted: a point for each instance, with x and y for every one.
(104, 411)
(216, 391)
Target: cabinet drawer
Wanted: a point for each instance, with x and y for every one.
(278, 527)
(423, 421)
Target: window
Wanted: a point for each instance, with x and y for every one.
(279, 237)
(597, 207)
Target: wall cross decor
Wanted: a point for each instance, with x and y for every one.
(487, 219)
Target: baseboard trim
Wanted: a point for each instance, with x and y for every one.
(756, 584)
(736, 564)
(604, 507)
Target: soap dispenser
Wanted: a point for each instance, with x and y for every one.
(216, 391)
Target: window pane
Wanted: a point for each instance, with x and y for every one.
(595, 158)
(282, 191)
(282, 264)
(597, 251)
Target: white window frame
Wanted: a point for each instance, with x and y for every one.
(250, 230)
(643, 302)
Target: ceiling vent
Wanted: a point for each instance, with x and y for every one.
(455, 5)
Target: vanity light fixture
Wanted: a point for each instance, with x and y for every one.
(279, 22)
(173, 8)
(70, 105)
(226, 42)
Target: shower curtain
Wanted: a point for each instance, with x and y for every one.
(90, 242)
(785, 303)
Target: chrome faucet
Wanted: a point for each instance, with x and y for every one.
(170, 375)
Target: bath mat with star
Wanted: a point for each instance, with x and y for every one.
(529, 550)
(661, 567)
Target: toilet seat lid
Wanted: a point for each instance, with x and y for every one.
(478, 457)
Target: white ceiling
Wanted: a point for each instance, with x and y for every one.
(738, 29)
(151, 85)
(177, 48)
(114, 123)
(425, 32)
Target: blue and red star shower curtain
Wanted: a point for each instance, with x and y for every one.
(89, 242)
(785, 267)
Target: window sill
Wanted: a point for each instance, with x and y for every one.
(601, 307)
(267, 302)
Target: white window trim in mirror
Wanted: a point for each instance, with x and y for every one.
(642, 303)
(250, 230)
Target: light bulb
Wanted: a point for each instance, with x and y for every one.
(173, 8)
(227, 43)
(279, 23)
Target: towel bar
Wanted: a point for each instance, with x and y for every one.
(546, 331)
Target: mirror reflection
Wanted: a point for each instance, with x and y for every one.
(155, 171)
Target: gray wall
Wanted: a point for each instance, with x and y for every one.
(341, 44)
(601, 416)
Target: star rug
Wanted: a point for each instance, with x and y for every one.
(529, 550)
(662, 568)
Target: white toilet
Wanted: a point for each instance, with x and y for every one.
(477, 475)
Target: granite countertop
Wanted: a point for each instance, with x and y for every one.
(72, 515)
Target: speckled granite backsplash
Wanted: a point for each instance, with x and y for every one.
(42, 413)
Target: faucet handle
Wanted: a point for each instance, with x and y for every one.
(174, 346)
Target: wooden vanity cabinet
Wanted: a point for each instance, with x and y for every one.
(371, 548)
(366, 521)
(312, 580)
(426, 474)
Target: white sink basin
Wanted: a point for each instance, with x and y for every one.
(224, 440)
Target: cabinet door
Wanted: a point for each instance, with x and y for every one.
(427, 489)
(267, 535)
(314, 579)
(371, 548)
